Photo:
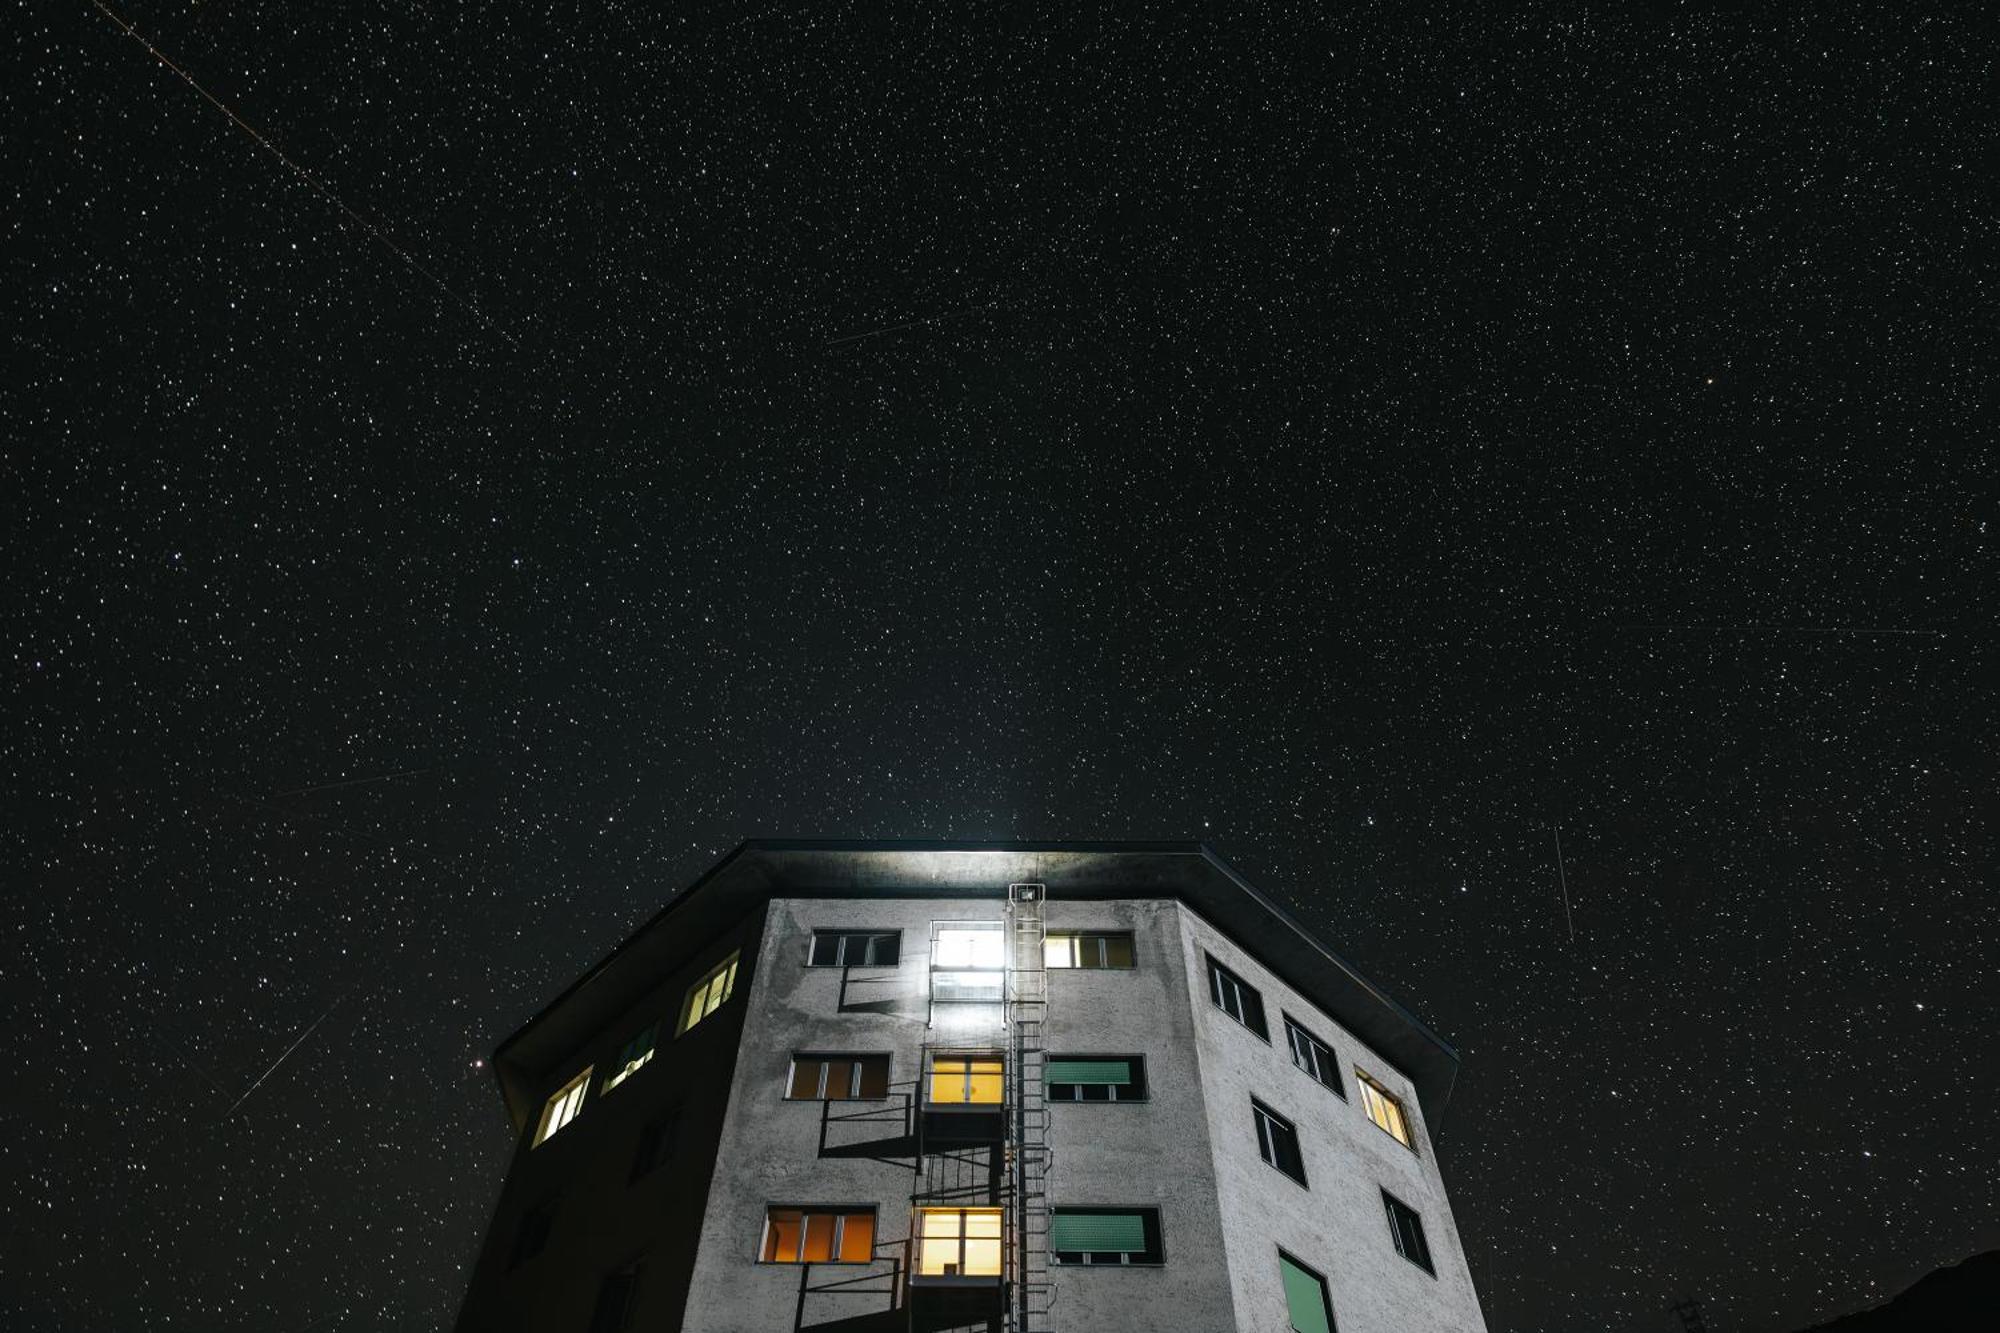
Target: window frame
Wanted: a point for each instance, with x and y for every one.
(1149, 1221)
(1397, 1211)
(1101, 938)
(960, 1240)
(1326, 1072)
(1268, 1123)
(629, 1064)
(969, 1057)
(725, 972)
(1372, 1085)
(1135, 1066)
(657, 1139)
(573, 1093)
(840, 1212)
(1286, 1257)
(629, 1275)
(846, 936)
(827, 1061)
(531, 1232)
(1217, 976)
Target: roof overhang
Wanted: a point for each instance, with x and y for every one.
(762, 869)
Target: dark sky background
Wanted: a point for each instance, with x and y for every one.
(1367, 438)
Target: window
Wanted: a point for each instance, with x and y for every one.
(1097, 1236)
(958, 1242)
(838, 1078)
(968, 961)
(1384, 1110)
(637, 1051)
(1096, 1078)
(1407, 1230)
(966, 1078)
(562, 1107)
(1235, 997)
(1313, 1055)
(1305, 1297)
(707, 995)
(1279, 1142)
(1075, 948)
(656, 1144)
(818, 1235)
(533, 1234)
(617, 1295)
(856, 948)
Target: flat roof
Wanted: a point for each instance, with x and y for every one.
(765, 868)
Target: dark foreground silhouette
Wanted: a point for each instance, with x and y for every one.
(1959, 1299)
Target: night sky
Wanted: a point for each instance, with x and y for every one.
(1365, 438)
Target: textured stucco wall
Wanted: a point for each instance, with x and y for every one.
(1336, 1222)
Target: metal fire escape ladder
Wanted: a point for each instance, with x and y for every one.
(1031, 1293)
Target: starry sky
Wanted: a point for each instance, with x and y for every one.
(1374, 439)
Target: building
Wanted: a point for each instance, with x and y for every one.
(862, 1087)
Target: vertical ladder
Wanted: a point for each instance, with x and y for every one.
(1031, 1293)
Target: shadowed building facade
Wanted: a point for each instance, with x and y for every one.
(864, 1087)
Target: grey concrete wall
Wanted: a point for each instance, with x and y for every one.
(1336, 1222)
(1154, 1153)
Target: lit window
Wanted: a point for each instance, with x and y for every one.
(1384, 1110)
(1237, 998)
(968, 961)
(819, 1235)
(1313, 1055)
(707, 995)
(838, 1078)
(967, 1079)
(1100, 949)
(1305, 1297)
(958, 1242)
(1278, 1142)
(637, 1051)
(562, 1108)
(1096, 1078)
(1105, 1236)
(1407, 1230)
(855, 948)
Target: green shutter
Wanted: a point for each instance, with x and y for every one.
(1305, 1298)
(1090, 1071)
(1101, 1232)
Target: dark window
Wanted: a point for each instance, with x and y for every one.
(838, 1078)
(533, 1233)
(1306, 1300)
(1096, 1078)
(1408, 1231)
(656, 1145)
(1080, 948)
(818, 1236)
(1237, 998)
(1279, 1142)
(856, 948)
(1104, 1236)
(616, 1298)
(1313, 1055)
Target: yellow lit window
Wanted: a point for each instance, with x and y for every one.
(818, 1236)
(967, 1079)
(562, 1108)
(958, 1242)
(1069, 948)
(1384, 1109)
(707, 995)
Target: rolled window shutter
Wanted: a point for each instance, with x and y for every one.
(1100, 1232)
(1090, 1071)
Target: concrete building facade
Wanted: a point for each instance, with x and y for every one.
(873, 1087)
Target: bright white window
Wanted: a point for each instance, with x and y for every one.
(562, 1108)
(968, 961)
(707, 995)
